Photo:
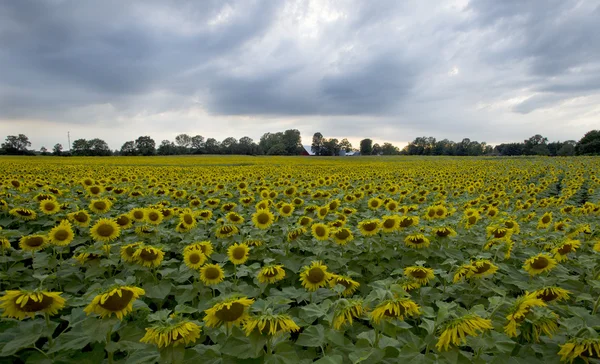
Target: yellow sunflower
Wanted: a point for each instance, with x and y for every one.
(346, 310)
(456, 331)
(350, 285)
(540, 263)
(295, 233)
(583, 348)
(369, 227)
(521, 307)
(62, 234)
(117, 301)
(83, 258)
(408, 221)
(23, 214)
(205, 215)
(342, 236)
(124, 221)
(194, 259)
(545, 221)
(101, 206)
(419, 274)
(80, 218)
(390, 223)
(305, 221)
(148, 256)
(22, 304)
(4, 244)
(105, 230)
(234, 218)
(204, 246)
(231, 311)
(549, 294)
(128, 250)
(271, 274)
(444, 232)
(211, 274)
(395, 308)
(154, 216)
(416, 241)
(560, 252)
(270, 324)
(320, 231)
(33, 243)
(314, 276)
(174, 332)
(482, 268)
(263, 218)
(238, 253)
(286, 210)
(49, 207)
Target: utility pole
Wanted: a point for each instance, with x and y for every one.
(69, 139)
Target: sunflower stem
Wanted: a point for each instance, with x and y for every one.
(596, 306)
(377, 337)
(110, 353)
(235, 279)
(50, 340)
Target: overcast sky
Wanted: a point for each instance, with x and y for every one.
(494, 71)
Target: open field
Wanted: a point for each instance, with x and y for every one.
(219, 259)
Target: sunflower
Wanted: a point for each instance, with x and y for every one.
(521, 307)
(322, 212)
(416, 241)
(105, 230)
(395, 308)
(61, 235)
(270, 324)
(226, 231)
(211, 274)
(286, 210)
(420, 275)
(238, 253)
(369, 227)
(580, 348)
(33, 243)
(263, 218)
(148, 256)
(305, 221)
(234, 218)
(24, 214)
(545, 221)
(560, 252)
(49, 207)
(390, 223)
(545, 323)
(83, 258)
(408, 221)
(456, 331)
(124, 221)
(540, 263)
(100, 206)
(342, 236)
(374, 203)
(320, 231)
(173, 332)
(204, 246)
(4, 244)
(513, 225)
(463, 272)
(346, 310)
(314, 276)
(254, 242)
(350, 285)
(549, 294)
(482, 268)
(271, 274)
(444, 231)
(391, 206)
(295, 233)
(231, 311)
(80, 218)
(154, 216)
(22, 304)
(194, 259)
(498, 232)
(117, 300)
(205, 215)
(187, 219)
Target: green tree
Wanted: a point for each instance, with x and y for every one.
(128, 148)
(80, 147)
(166, 147)
(212, 146)
(317, 143)
(292, 141)
(345, 145)
(389, 149)
(589, 143)
(16, 144)
(366, 146)
(145, 145)
(197, 143)
(57, 149)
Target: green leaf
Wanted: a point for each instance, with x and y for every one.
(312, 312)
(69, 341)
(371, 355)
(331, 359)
(314, 336)
(158, 291)
(428, 325)
(284, 354)
(20, 337)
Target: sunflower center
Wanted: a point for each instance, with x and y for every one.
(440, 212)
(235, 218)
(343, 234)
(138, 215)
(212, 273)
(472, 219)
(419, 274)
(548, 296)
(33, 306)
(509, 224)
(148, 254)
(61, 235)
(286, 209)
(389, 223)
(123, 220)
(231, 313)
(482, 268)
(320, 231)
(546, 219)
(370, 226)
(344, 283)
(116, 303)
(566, 248)
(540, 263)
(35, 241)
(24, 212)
(100, 205)
(188, 219)
(394, 313)
(81, 217)
(153, 216)
(95, 190)
(239, 253)
(194, 258)
(406, 222)
(270, 273)
(500, 233)
(431, 213)
(417, 240)
(105, 230)
(130, 250)
(316, 275)
(442, 232)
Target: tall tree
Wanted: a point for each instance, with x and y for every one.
(80, 147)
(376, 149)
(145, 145)
(16, 144)
(197, 144)
(166, 148)
(57, 149)
(389, 149)
(366, 146)
(292, 141)
(211, 146)
(247, 146)
(128, 148)
(229, 145)
(98, 147)
(44, 150)
(317, 143)
(345, 145)
(589, 143)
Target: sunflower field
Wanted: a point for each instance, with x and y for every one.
(206, 259)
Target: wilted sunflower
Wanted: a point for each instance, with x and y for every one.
(105, 230)
(238, 253)
(416, 241)
(204, 246)
(173, 332)
(320, 231)
(148, 256)
(395, 308)
(22, 304)
(545, 221)
(295, 233)
(83, 258)
(33, 243)
(24, 214)
(521, 307)
(271, 274)
(314, 276)
(100, 206)
(560, 252)
(420, 275)
(482, 268)
(580, 348)
(226, 231)
(540, 263)
(549, 294)
(270, 324)
(117, 301)
(231, 311)
(62, 234)
(390, 223)
(350, 285)
(544, 323)
(80, 218)
(346, 310)
(342, 236)
(4, 244)
(263, 218)
(369, 227)
(456, 331)
(444, 231)
(194, 258)
(211, 274)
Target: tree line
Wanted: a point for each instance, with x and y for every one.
(289, 142)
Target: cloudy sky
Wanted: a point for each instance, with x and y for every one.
(489, 70)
